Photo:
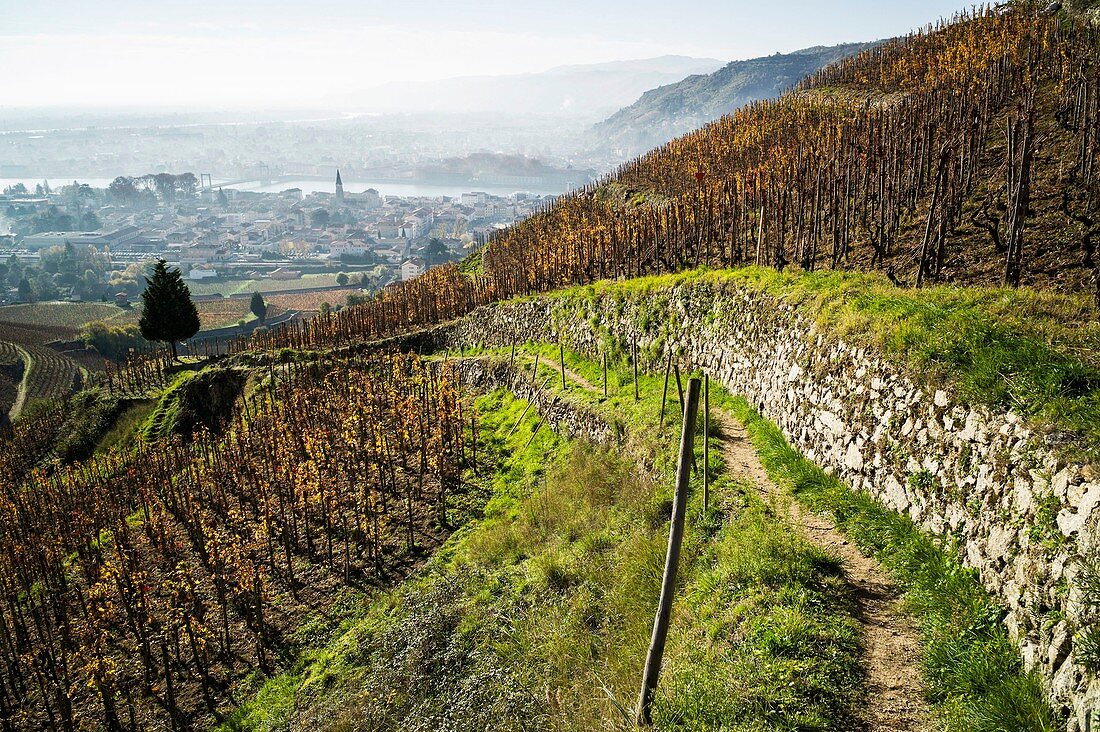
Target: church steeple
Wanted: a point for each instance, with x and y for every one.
(339, 187)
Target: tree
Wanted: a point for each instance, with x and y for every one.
(319, 218)
(342, 279)
(113, 342)
(258, 307)
(90, 222)
(122, 189)
(435, 252)
(26, 294)
(167, 313)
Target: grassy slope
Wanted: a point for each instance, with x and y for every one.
(538, 616)
(973, 674)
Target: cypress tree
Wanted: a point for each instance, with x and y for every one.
(258, 307)
(167, 313)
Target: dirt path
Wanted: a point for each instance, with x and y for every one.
(21, 393)
(891, 646)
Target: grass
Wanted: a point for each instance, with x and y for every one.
(163, 419)
(126, 426)
(538, 615)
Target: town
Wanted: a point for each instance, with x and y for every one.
(82, 243)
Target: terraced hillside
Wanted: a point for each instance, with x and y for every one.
(449, 507)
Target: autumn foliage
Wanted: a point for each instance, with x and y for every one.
(134, 586)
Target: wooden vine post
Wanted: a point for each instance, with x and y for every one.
(561, 356)
(706, 443)
(652, 671)
(634, 358)
(664, 392)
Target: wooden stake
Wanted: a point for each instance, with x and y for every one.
(706, 442)
(680, 388)
(561, 355)
(533, 433)
(634, 358)
(664, 392)
(652, 671)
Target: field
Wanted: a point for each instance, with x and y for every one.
(240, 287)
(25, 330)
(67, 315)
(310, 300)
(223, 313)
(42, 322)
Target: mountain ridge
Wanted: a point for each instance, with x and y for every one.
(666, 112)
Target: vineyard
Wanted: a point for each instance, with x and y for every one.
(11, 374)
(137, 586)
(67, 316)
(965, 153)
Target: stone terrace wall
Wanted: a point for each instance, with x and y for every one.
(1020, 514)
(558, 414)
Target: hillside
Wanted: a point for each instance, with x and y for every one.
(669, 111)
(847, 340)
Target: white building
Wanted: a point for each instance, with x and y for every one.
(350, 247)
(412, 268)
(200, 272)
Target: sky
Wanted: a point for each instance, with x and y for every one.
(270, 53)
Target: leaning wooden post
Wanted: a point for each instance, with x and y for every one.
(706, 442)
(653, 659)
(664, 392)
(561, 356)
(634, 358)
(680, 389)
(605, 374)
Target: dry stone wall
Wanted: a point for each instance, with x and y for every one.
(557, 413)
(1019, 512)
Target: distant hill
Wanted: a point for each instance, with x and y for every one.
(669, 111)
(595, 90)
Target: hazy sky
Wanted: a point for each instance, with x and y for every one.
(250, 52)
